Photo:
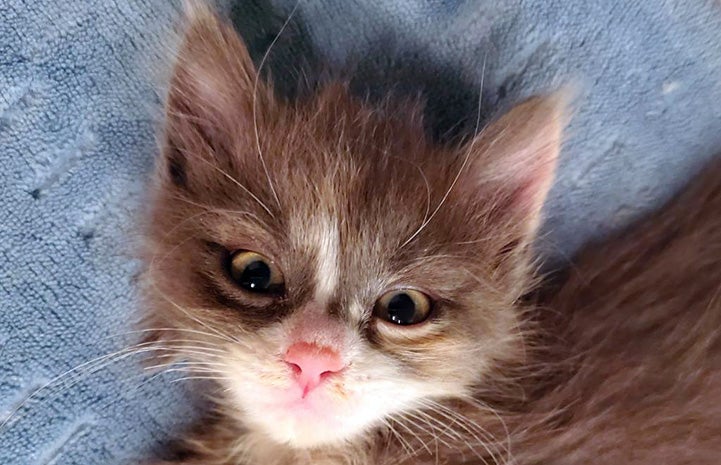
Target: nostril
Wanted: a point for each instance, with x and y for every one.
(328, 373)
(294, 367)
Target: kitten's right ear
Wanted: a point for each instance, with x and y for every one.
(513, 163)
(215, 97)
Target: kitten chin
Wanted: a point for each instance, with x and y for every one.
(343, 281)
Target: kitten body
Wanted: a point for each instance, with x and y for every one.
(638, 350)
(348, 202)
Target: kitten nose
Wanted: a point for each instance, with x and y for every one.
(312, 364)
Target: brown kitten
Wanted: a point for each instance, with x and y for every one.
(282, 233)
(336, 274)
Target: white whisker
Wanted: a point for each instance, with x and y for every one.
(401, 440)
(81, 370)
(255, 100)
(461, 169)
(412, 433)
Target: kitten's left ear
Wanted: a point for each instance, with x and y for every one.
(214, 76)
(513, 161)
(214, 99)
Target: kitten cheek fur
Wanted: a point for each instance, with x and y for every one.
(347, 199)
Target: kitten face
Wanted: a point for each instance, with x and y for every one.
(359, 223)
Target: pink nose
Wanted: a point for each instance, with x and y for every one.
(312, 364)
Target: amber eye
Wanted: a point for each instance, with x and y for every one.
(255, 273)
(403, 307)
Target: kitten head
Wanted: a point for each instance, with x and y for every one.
(322, 260)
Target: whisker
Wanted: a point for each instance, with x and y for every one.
(232, 179)
(425, 181)
(432, 428)
(216, 210)
(91, 365)
(463, 165)
(227, 338)
(188, 378)
(480, 405)
(401, 440)
(413, 433)
(170, 329)
(255, 100)
(446, 429)
(187, 365)
(472, 427)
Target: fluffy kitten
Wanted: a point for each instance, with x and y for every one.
(356, 292)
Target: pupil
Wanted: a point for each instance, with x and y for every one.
(401, 309)
(256, 276)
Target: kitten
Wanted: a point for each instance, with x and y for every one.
(357, 293)
(333, 269)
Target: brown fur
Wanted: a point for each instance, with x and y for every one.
(639, 330)
(244, 169)
(626, 364)
(627, 356)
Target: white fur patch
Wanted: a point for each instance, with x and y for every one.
(328, 253)
(320, 235)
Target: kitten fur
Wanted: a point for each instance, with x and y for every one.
(626, 354)
(638, 344)
(350, 200)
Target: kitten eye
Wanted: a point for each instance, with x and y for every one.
(403, 307)
(255, 273)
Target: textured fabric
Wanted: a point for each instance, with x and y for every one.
(79, 95)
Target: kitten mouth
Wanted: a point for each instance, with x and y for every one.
(321, 404)
(315, 398)
(307, 421)
(306, 407)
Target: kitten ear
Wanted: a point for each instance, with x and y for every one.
(213, 92)
(514, 161)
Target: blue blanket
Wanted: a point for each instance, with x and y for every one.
(79, 97)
